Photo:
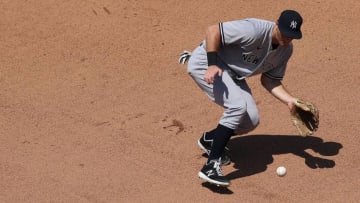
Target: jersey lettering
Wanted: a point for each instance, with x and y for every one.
(250, 58)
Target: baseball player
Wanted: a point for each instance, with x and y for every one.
(231, 52)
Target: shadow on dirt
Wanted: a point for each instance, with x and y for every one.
(217, 189)
(251, 154)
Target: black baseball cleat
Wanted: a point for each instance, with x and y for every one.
(212, 173)
(205, 145)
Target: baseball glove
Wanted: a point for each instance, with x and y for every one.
(305, 117)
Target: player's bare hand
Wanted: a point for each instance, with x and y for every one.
(211, 74)
(291, 104)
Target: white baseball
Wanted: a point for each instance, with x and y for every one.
(281, 171)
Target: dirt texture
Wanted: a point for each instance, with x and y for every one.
(94, 106)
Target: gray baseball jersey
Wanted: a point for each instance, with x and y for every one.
(245, 50)
(248, 49)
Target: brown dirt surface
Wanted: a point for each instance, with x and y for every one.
(95, 108)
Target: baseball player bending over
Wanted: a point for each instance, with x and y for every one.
(232, 52)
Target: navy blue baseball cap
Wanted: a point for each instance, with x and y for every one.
(289, 24)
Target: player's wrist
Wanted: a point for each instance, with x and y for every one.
(211, 58)
(291, 103)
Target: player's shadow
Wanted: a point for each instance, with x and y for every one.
(251, 154)
(217, 189)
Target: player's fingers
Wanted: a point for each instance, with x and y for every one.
(207, 79)
(209, 76)
(211, 80)
(220, 72)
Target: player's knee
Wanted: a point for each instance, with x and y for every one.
(253, 126)
(247, 123)
(236, 114)
(238, 111)
(244, 128)
(254, 120)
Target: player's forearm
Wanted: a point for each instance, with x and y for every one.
(212, 38)
(282, 94)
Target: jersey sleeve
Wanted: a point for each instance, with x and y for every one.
(276, 73)
(237, 32)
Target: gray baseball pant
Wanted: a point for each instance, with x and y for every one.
(240, 111)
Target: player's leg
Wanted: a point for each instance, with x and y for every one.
(234, 98)
(248, 121)
(197, 67)
(239, 110)
(240, 113)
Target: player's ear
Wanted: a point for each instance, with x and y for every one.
(276, 27)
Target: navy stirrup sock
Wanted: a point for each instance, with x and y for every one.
(210, 135)
(222, 136)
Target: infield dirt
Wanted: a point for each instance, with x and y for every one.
(95, 108)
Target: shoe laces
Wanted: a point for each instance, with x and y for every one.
(217, 166)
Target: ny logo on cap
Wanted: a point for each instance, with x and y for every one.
(293, 24)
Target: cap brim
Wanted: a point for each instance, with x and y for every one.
(290, 34)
